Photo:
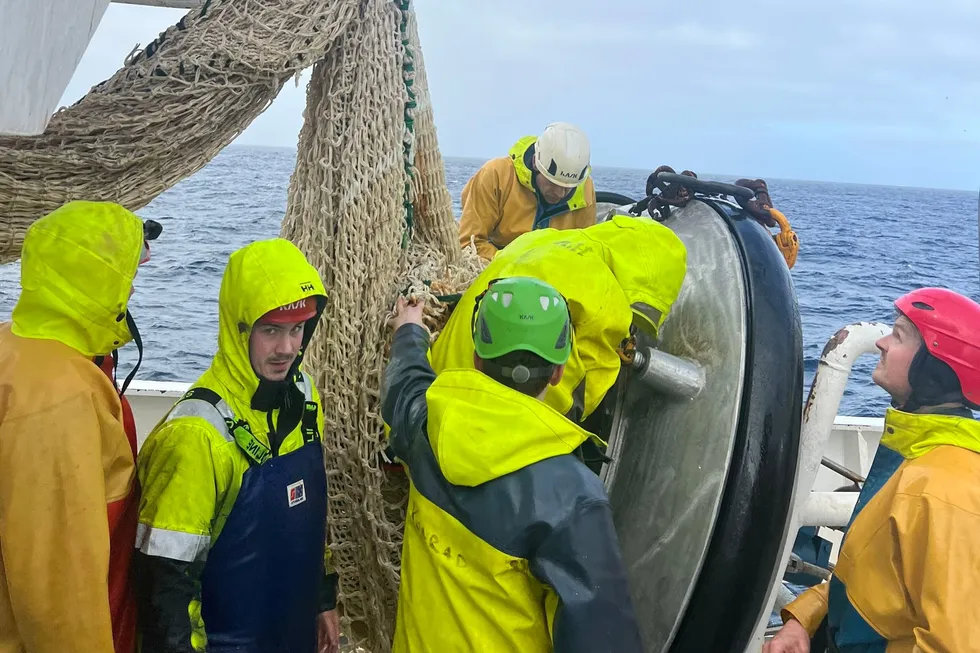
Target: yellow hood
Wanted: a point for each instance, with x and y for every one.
(481, 430)
(648, 260)
(77, 269)
(915, 434)
(517, 156)
(259, 277)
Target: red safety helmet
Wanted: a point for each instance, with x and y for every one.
(300, 311)
(950, 327)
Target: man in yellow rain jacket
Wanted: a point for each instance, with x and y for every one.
(544, 182)
(615, 274)
(232, 523)
(509, 540)
(909, 566)
(68, 496)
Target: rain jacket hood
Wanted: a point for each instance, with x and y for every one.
(77, 269)
(259, 278)
(481, 430)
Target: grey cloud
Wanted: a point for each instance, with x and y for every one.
(823, 85)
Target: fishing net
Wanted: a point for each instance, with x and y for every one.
(368, 204)
(168, 111)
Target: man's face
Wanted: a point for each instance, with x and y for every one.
(897, 351)
(274, 347)
(550, 191)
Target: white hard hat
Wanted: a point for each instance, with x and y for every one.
(561, 154)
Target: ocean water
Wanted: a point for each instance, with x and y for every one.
(861, 247)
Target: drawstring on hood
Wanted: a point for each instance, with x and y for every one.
(131, 323)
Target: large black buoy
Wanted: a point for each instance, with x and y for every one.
(702, 488)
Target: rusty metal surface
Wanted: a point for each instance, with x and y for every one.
(672, 456)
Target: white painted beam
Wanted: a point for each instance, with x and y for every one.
(41, 44)
(171, 4)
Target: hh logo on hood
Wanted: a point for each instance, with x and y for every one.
(307, 287)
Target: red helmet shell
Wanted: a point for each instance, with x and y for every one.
(950, 327)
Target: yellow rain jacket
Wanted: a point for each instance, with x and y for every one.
(611, 274)
(509, 541)
(910, 560)
(500, 203)
(68, 498)
(193, 465)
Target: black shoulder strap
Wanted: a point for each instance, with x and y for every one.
(311, 432)
(204, 394)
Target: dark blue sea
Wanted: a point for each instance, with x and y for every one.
(861, 247)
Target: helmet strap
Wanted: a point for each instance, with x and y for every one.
(519, 374)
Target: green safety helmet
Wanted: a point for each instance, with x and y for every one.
(522, 314)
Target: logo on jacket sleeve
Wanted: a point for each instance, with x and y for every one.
(296, 493)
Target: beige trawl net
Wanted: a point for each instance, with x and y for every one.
(367, 146)
(368, 205)
(168, 111)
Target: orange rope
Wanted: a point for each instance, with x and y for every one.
(786, 240)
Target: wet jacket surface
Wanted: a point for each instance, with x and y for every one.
(68, 496)
(611, 274)
(509, 540)
(500, 203)
(909, 565)
(232, 527)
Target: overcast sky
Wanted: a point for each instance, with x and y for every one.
(867, 91)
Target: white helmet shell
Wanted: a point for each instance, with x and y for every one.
(561, 154)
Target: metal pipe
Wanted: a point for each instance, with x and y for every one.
(677, 377)
(830, 509)
(833, 370)
(839, 354)
(843, 471)
(798, 566)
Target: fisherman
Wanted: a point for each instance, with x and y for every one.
(909, 567)
(544, 182)
(232, 525)
(618, 276)
(509, 542)
(68, 492)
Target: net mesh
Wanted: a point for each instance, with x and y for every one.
(367, 204)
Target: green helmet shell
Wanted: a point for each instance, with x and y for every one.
(523, 314)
